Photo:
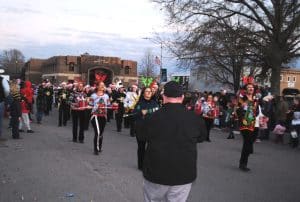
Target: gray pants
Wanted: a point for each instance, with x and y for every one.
(163, 193)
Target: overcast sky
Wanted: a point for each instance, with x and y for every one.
(45, 28)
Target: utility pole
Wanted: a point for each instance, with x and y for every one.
(16, 62)
(161, 61)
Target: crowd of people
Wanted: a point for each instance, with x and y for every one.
(276, 115)
(163, 119)
(77, 102)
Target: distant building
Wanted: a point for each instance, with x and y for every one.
(289, 78)
(87, 68)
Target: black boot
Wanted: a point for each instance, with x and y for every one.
(230, 136)
(244, 168)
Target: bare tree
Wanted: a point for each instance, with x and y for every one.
(12, 61)
(273, 26)
(148, 67)
(217, 49)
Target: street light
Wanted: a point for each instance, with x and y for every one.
(161, 58)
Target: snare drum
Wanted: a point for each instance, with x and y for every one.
(82, 103)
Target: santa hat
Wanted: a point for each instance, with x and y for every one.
(153, 84)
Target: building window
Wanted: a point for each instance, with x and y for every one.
(281, 78)
(127, 69)
(288, 79)
(71, 66)
(294, 79)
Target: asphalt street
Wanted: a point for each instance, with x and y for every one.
(47, 166)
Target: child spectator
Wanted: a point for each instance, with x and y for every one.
(279, 132)
(27, 92)
(25, 116)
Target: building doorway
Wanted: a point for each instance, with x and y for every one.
(98, 73)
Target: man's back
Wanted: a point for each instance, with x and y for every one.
(171, 134)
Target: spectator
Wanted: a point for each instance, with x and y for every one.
(15, 110)
(223, 100)
(4, 91)
(170, 164)
(281, 109)
(279, 132)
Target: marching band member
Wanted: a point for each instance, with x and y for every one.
(130, 101)
(63, 105)
(87, 113)
(109, 111)
(119, 99)
(209, 110)
(99, 101)
(112, 96)
(49, 97)
(77, 99)
(143, 108)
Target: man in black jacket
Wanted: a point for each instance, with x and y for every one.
(171, 133)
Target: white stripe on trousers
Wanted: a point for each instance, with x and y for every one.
(98, 130)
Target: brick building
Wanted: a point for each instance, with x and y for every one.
(289, 78)
(87, 68)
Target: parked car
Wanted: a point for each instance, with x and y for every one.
(289, 94)
(290, 91)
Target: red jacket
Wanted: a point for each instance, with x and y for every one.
(27, 92)
(24, 107)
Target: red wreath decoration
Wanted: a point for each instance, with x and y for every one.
(100, 77)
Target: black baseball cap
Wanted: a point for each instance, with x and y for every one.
(173, 89)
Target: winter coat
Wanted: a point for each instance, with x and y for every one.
(171, 134)
(27, 92)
